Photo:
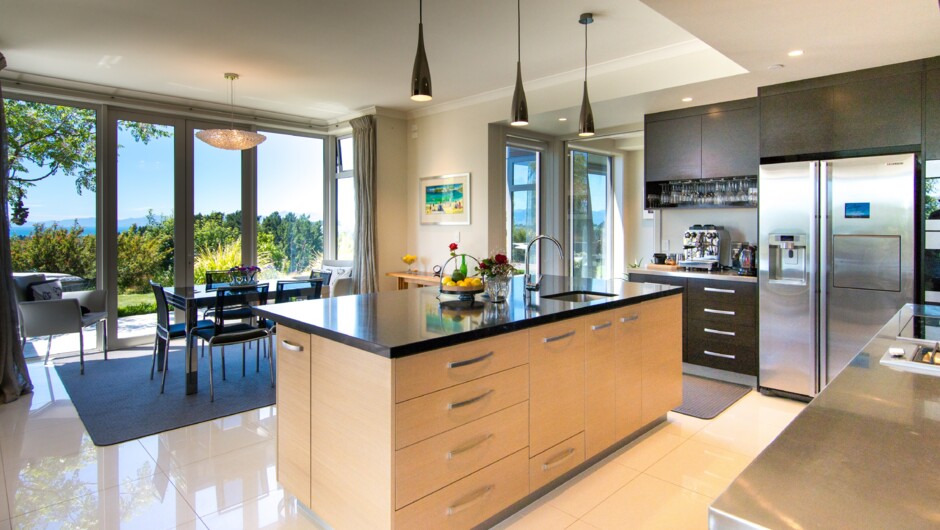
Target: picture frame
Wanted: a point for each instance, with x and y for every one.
(445, 199)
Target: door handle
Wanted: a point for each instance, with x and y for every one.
(719, 332)
(718, 311)
(717, 290)
(599, 327)
(458, 364)
(291, 346)
(559, 337)
(714, 354)
(471, 401)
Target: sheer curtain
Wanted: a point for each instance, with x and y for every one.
(364, 186)
(14, 379)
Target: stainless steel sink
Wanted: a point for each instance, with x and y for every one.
(578, 296)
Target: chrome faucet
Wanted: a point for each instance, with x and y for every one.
(527, 279)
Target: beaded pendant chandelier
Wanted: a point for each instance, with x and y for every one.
(232, 139)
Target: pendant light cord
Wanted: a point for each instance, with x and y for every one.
(420, 11)
(518, 31)
(585, 53)
(231, 102)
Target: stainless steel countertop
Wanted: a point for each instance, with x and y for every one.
(730, 276)
(864, 454)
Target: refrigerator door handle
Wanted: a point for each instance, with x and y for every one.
(823, 229)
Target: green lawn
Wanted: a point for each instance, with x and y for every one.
(136, 304)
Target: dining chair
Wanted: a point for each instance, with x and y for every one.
(342, 287)
(291, 291)
(166, 331)
(222, 334)
(216, 279)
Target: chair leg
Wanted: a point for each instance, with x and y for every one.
(105, 322)
(166, 360)
(48, 349)
(271, 358)
(223, 359)
(211, 386)
(243, 359)
(153, 362)
(81, 351)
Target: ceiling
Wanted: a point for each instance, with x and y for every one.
(323, 61)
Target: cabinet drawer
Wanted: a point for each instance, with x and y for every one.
(428, 466)
(556, 397)
(293, 416)
(738, 334)
(424, 373)
(743, 293)
(471, 500)
(728, 311)
(431, 414)
(555, 461)
(735, 354)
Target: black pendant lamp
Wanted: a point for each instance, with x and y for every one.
(421, 74)
(520, 109)
(586, 123)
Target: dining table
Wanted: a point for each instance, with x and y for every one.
(189, 299)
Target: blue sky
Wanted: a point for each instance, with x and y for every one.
(290, 171)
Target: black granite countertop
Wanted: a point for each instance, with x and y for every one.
(400, 323)
(724, 275)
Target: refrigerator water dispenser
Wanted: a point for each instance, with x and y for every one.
(787, 259)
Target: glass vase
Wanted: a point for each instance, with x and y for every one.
(497, 287)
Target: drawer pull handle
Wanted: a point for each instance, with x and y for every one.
(291, 346)
(630, 318)
(599, 327)
(468, 446)
(468, 362)
(469, 500)
(556, 461)
(717, 290)
(559, 337)
(719, 332)
(722, 355)
(718, 311)
(471, 401)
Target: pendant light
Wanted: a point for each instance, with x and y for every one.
(231, 139)
(586, 123)
(421, 74)
(520, 109)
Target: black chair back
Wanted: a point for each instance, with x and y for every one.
(216, 279)
(290, 290)
(232, 302)
(163, 310)
(326, 275)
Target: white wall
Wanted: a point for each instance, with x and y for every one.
(640, 234)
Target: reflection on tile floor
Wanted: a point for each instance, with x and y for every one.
(221, 474)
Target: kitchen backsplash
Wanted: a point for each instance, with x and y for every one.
(741, 224)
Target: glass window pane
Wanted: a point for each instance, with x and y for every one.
(590, 247)
(52, 198)
(523, 164)
(524, 223)
(522, 169)
(217, 209)
(345, 218)
(145, 221)
(346, 155)
(290, 204)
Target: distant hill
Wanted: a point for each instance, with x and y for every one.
(599, 217)
(88, 223)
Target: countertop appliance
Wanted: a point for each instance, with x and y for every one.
(705, 247)
(744, 258)
(836, 260)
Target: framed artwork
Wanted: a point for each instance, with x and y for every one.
(445, 200)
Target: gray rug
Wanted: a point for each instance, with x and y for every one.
(117, 401)
(706, 398)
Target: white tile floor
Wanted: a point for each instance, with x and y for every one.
(221, 474)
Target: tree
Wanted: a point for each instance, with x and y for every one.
(56, 139)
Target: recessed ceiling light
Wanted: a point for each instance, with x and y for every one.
(795, 53)
(686, 99)
(562, 119)
(775, 67)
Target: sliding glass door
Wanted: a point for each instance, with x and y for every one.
(217, 209)
(590, 215)
(522, 178)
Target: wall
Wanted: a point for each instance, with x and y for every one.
(741, 223)
(640, 233)
(391, 179)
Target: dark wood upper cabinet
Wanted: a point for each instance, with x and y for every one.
(932, 91)
(795, 123)
(730, 143)
(875, 113)
(673, 149)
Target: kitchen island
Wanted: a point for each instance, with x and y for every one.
(863, 454)
(396, 410)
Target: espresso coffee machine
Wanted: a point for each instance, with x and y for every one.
(744, 258)
(705, 247)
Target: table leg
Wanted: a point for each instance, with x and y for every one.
(402, 284)
(192, 359)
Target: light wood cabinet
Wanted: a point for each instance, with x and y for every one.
(556, 391)
(661, 356)
(600, 371)
(293, 431)
(556, 461)
(628, 371)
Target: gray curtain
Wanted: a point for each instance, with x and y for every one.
(364, 186)
(14, 379)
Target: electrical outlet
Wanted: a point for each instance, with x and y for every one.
(664, 244)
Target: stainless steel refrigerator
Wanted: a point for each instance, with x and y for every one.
(836, 261)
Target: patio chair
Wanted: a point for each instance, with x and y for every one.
(342, 287)
(166, 331)
(223, 335)
(60, 314)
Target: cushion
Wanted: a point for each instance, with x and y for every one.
(45, 290)
(21, 283)
(338, 272)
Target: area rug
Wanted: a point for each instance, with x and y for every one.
(706, 398)
(117, 401)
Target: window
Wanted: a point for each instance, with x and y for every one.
(345, 214)
(217, 208)
(522, 171)
(590, 215)
(290, 204)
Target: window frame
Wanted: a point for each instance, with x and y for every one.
(608, 206)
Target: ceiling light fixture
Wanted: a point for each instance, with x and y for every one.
(562, 119)
(520, 109)
(421, 74)
(586, 123)
(795, 53)
(686, 99)
(231, 139)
